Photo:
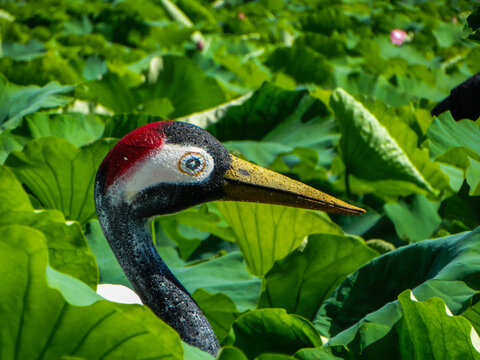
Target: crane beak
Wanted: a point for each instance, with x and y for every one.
(245, 181)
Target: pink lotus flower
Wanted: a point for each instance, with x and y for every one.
(398, 36)
(241, 16)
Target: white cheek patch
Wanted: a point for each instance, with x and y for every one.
(172, 164)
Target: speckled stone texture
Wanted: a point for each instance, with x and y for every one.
(125, 223)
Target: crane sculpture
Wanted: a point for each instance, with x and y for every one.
(164, 167)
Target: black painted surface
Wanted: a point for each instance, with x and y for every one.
(463, 101)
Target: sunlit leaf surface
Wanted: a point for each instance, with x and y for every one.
(445, 267)
(266, 233)
(17, 101)
(303, 280)
(61, 175)
(37, 320)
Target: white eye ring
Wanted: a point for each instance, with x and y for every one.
(192, 163)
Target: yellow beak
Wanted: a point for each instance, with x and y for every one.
(245, 181)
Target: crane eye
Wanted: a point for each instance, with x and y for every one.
(192, 163)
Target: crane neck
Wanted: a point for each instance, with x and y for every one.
(131, 241)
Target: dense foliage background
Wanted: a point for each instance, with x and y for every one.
(322, 91)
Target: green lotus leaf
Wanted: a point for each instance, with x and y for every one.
(262, 153)
(46, 70)
(219, 309)
(78, 129)
(323, 44)
(274, 357)
(473, 177)
(298, 123)
(60, 175)
(273, 331)
(231, 353)
(95, 67)
(448, 34)
(8, 143)
(446, 134)
(363, 309)
(18, 101)
(327, 20)
(266, 233)
(303, 280)
(67, 247)
(191, 352)
(226, 274)
(13, 197)
(473, 316)
(187, 87)
(249, 70)
(427, 330)
(257, 116)
(113, 92)
(190, 228)
(24, 52)
(209, 117)
(37, 321)
(408, 213)
(320, 353)
(300, 62)
(370, 151)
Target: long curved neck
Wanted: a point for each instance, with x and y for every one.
(159, 289)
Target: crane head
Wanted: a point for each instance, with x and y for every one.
(167, 166)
